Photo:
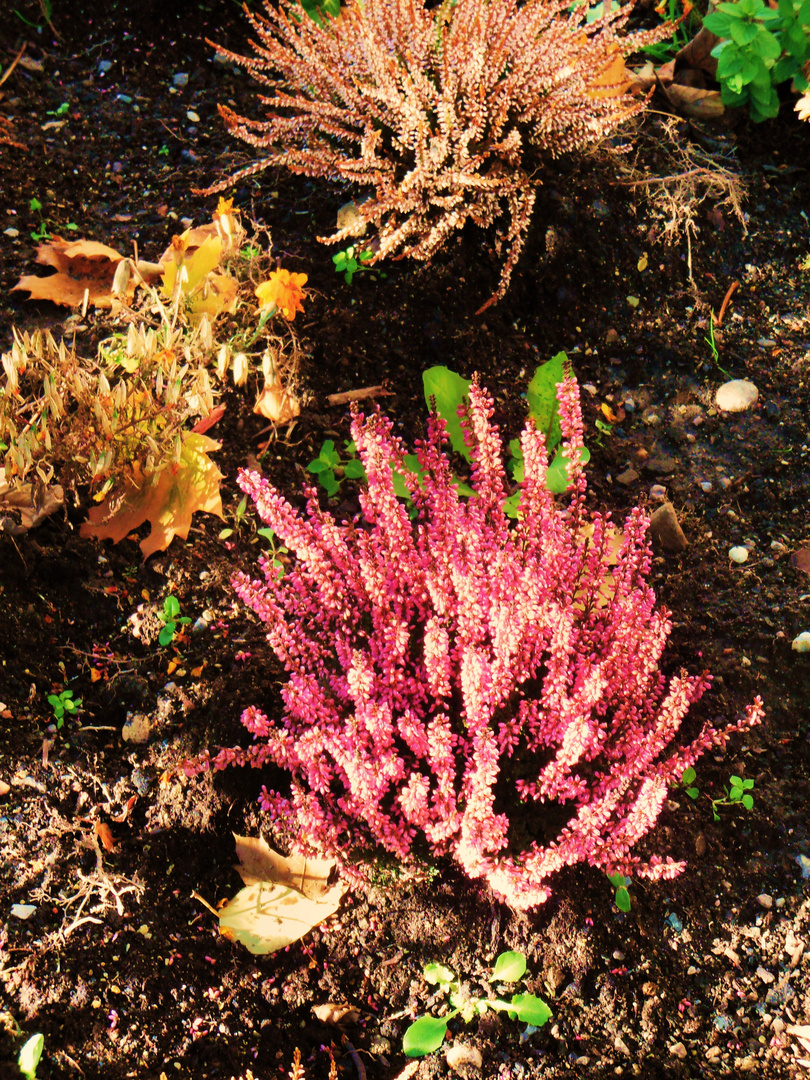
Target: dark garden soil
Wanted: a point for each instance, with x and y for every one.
(119, 966)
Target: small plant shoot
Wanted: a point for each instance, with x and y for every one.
(172, 619)
(427, 1033)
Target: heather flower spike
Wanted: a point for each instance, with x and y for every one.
(462, 681)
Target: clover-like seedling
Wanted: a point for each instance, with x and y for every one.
(427, 1033)
(331, 469)
(350, 261)
(171, 620)
(62, 704)
(737, 793)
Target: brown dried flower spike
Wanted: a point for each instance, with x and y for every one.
(446, 113)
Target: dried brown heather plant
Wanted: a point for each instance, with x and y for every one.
(447, 114)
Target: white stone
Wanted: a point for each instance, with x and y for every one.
(736, 396)
(802, 642)
(459, 1056)
(738, 554)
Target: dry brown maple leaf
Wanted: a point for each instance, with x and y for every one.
(166, 499)
(82, 267)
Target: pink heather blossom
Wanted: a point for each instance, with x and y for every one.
(436, 666)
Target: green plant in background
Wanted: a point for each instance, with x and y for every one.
(350, 261)
(29, 1056)
(275, 549)
(43, 233)
(316, 9)
(711, 342)
(686, 22)
(736, 794)
(62, 705)
(761, 48)
(427, 1033)
(620, 883)
(330, 468)
(171, 620)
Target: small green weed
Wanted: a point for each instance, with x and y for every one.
(331, 469)
(172, 619)
(43, 233)
(63, 705)
(620, 883)
(737, 793)
(427, 1033)
(350, 261)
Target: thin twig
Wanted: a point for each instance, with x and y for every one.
(734, 285)
(14, 63)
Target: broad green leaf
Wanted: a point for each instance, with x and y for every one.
(171, 607)
(424, 1036)
(742, 33)
(449, 391)
(509, 967)
(719, 22)
(30, 1055)
(557, 476)
(688, 775)
(438, 975)
(542, 397)
(622, 899)
(529, 1009)
(747, 801)
(354, 470)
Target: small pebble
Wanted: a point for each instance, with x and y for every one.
(180, 79)
(665, 529)
(705, 486)
(12, 233)
(193, 117)
(658, 493)
(736, 396)
(104, 66)
(802, 642)
(765, 900)
(765, 975)
(678, 1049)
(629, 476)
(738, 554)
(125, 99)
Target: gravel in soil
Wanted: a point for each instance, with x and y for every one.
(118, 965)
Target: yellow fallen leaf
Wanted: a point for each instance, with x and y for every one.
(268, 916)
(259, 862)
(166, 499)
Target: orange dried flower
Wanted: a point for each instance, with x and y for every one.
(283, 289)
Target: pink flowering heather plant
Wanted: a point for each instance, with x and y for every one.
(460, 681)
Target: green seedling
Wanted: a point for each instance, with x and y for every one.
(620, 883)
(47, 11)
(239, 515)
(736, 794)
(350, 261)
(63, 704)
(63, 108)
(29, 1056)
(43, 233)
(427, 1033)
(274, 551)
(710, 341)
(163, 151)
(331, 469)
(171, 620)
(687, 783)
(249, 251)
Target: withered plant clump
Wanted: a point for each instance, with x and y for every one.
(446, 113)
(489, 689)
